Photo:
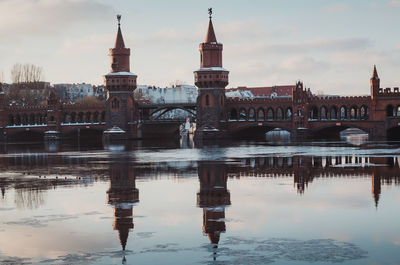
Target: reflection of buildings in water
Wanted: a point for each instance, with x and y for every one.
(213, 197)
(122, 194)
(304, 169)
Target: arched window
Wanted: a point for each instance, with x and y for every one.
(234, 114)
(270, 114)
(88, 117)
(353, 113)
(243, 114)
(288, 115)
(115, 103)
(389, 111)
(80, 117)
(364, 113)
(324, 114)
(10, 119)
(207, 100)
(279, 114)
(398, 111)
(252, 114)
(314, 113)
(260, 114)
(343, 113)
(334, 113)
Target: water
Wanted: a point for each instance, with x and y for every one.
(171, 203)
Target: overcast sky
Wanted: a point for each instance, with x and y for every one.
(330, 45)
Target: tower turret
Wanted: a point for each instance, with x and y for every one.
(375, 83)
(211, 79)
(121, 120)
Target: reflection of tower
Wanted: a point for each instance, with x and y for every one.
(376, 187)
(121, 195)
(302, 172)
(213, 197)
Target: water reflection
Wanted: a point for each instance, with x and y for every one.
(122, 195)
(213, 197)
(30, 176)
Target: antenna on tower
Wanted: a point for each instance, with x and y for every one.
(119, 20)
(210, 11)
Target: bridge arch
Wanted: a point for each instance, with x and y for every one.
(332, 131)
(156, 114)
(254, 131)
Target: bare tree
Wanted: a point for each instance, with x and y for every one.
(16, 73)
(1, 77)
(26, 73)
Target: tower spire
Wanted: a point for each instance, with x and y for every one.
(375, 73)
(119, 41)
(210, 32)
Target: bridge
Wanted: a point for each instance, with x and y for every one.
(302, 113)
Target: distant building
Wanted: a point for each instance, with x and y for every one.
(26, 93)
(71, 92)
(178, 94)
(265, 92)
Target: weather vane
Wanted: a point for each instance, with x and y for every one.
(119, 19)
(210, 12)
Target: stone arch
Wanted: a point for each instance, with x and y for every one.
(324, 113)
(233, 114)
(260, 114)
(288, 114)
(279, 114)
(343, 113)
(364, 113)
(389, 110)
(242, 114)
(270, 114)
(334, 113)
(252, 114)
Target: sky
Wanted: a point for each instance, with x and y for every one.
(329, 45)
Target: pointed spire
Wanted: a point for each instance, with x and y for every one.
(210, 32)
(119, 41)
(375, 74)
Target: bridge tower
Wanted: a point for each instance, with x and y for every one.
(121, 121)
(211, 80)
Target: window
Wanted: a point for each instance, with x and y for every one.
(207, 100)
(115, 104)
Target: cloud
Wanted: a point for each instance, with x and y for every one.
(395, 3)
(336, 8)
(20, 18)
